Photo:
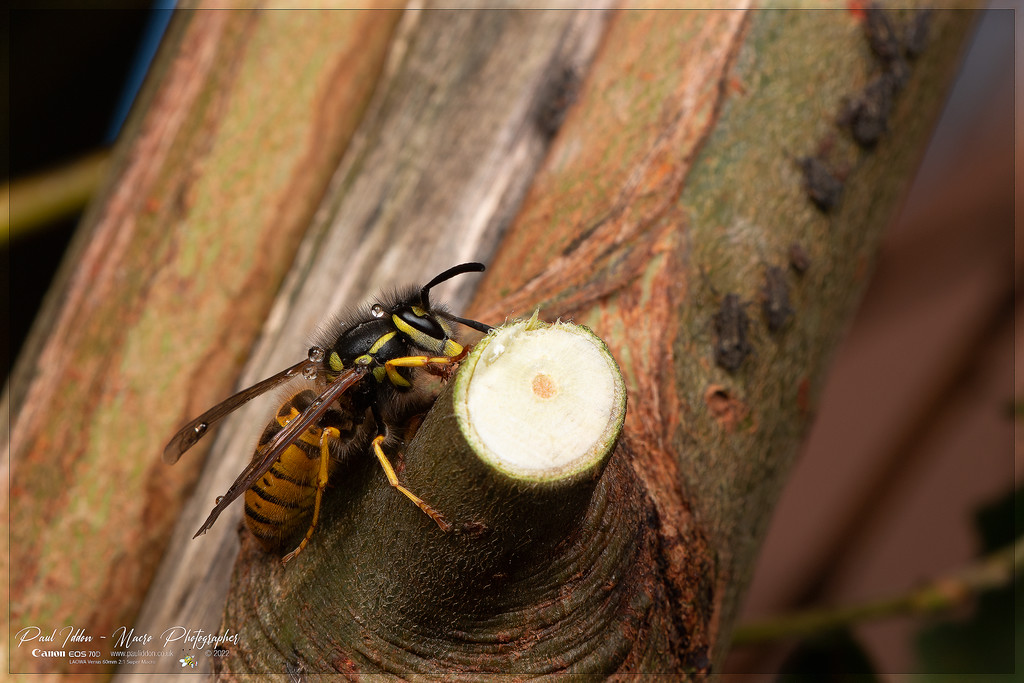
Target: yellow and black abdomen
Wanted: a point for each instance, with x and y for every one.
(279, 506)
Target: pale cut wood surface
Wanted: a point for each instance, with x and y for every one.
(436, 172)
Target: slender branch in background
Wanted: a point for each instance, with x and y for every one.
(34, 201)
(990, 572)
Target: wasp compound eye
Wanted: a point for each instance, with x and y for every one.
(421, 323)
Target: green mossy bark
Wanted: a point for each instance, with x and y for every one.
(674, 188)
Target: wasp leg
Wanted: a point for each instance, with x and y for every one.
(393, 480)
(391, 366)
(430, 363)
(321, 482)
(420, 361)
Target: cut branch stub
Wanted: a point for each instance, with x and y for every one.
(551, 563)
(511, 454)
(541, 403)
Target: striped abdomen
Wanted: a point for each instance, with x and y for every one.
(279, 506)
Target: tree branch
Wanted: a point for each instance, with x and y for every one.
(165, 286)
(29, 203)
(435, 172)
(512, 459)
(666, 225)
(669, 207)
(996, 570)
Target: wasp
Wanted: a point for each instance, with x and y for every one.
(368, 388)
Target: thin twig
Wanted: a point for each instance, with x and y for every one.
(992, 571)
(34, 201)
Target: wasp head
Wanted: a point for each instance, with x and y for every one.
(429, 328)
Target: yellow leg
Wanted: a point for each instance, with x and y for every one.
(447, 364)
(393, 480)
(391, 366)
(321, 482)
(419, 361)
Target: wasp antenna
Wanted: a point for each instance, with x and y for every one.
(482, 327)
(473, 267)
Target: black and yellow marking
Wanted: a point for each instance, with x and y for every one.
(417, 336)
(384, 339)
(286, 500)
(335, 362)
(323, 475)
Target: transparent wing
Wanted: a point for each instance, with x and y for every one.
(189, 435)
(292, 431)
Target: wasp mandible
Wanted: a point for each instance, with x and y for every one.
(368, 365)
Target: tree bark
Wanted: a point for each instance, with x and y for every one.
(713, 213)
(457, 127)
(710, 206)
(690, 233)
(170, 277)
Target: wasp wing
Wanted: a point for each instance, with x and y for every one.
(188, 435)
(259, 466)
